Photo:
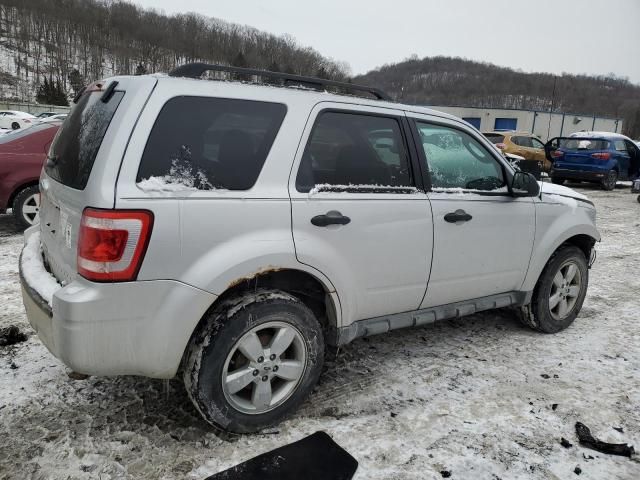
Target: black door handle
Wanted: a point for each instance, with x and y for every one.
(330, 218)
(457, 216)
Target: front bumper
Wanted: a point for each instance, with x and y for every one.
(130, 328)
(590, 176)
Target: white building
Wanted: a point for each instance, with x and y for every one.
(542, 124)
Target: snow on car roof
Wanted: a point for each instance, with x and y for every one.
(595, 134)
(17, 113)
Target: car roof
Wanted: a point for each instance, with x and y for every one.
(19, 113)
(280, 93)
(602, 135)
(510, 133)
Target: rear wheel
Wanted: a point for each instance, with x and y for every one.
(254, 361)
(557, 180)
(610, 180)
(26, 206)
(15, 126)
(560, 292)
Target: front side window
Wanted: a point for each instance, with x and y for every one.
(207, 143)
(537, 143)
(355, 152)
(620, 145)
(455, 160)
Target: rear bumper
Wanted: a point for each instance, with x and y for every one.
(594, 176)
(132, 328)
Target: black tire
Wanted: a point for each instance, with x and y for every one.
(538, 315)
(609, 181)
(217, 338)
(557, 180)
(20, 202)
(15, 126)
(638, 199)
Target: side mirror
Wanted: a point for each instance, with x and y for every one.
(524, 184)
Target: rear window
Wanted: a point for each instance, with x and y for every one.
(583, 144)
(494, 137)
(210, 143)
(76, 144)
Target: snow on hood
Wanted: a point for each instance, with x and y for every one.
(552, 189)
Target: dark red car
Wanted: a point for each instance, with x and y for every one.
(21, 157)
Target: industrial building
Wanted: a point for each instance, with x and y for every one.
(543, 124)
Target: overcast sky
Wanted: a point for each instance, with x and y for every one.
(574, 36)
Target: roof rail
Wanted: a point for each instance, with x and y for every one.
(195, 70)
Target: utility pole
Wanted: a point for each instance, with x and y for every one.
(553, 97)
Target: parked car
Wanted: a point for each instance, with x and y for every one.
(44, 115)
(58, 117)
(15, 120)
(521, 143)
(600, 157)
(22, 155)
(231, 231)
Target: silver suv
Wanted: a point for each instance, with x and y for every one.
(231, 231)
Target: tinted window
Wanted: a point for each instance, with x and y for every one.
(210, 143)
(522, 141)
(457, 160)
(494, 137)
(76, 144)
(351, 149)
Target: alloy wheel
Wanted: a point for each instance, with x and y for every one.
(565, 290)
(264, 367)
(31, 209)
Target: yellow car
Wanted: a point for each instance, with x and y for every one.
(521, 143)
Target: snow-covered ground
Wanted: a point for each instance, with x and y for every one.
(474, 397)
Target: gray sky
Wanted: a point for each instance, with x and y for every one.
(574, 36)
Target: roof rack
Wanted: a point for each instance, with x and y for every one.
(195, 70)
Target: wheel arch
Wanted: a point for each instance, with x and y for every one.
(584, 238)
(315, 293)
(18, 189)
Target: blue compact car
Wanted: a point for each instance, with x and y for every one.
(598, 157)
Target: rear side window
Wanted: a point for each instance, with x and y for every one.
(210, 143)
(522, 141)
(76, 144)
(354, 150)
(620, 145)
(494, 138)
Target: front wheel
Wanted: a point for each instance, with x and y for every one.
(15, 126)
(610, 180)
(254, 361)
(560, 291)
(26, 206)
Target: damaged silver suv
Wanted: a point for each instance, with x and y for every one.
(230, 231)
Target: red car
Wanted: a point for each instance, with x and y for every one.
(21, 157)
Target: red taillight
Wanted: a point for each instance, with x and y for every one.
(112, 243)
(501, 146)
(557, 154)
(601, 155)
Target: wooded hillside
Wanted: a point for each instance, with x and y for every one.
(455, 81)
(77, 41)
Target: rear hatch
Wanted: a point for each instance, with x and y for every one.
(577, 152)
(83, 163)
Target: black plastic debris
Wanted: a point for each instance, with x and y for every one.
(554, 406)
(588, 440)
(565, 443)
(577, 470)
(445, 473)
(316, 457)
(619, 429)
(11, 335)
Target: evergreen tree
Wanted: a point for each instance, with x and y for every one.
(76, 81)
(52, 93)
(141, 69)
